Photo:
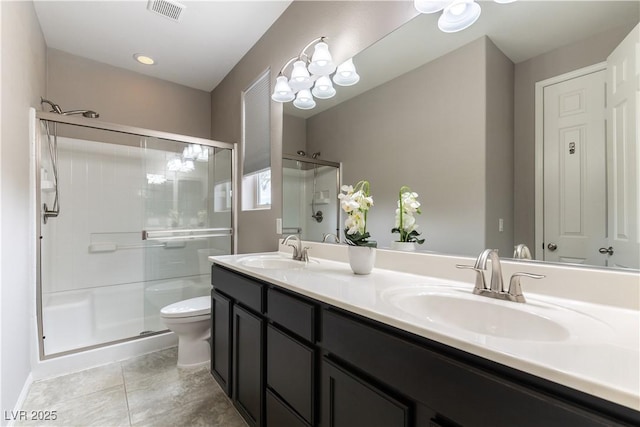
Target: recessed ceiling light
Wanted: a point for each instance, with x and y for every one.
(144, 59)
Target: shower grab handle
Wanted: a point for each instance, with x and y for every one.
(197, 233)
(49, 213)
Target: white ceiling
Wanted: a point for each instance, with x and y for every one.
(198, 51)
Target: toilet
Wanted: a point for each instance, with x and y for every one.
(191, 321)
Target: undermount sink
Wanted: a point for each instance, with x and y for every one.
(271, 262)
(477, 314)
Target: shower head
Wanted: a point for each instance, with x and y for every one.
(86, 113)
(55, 108)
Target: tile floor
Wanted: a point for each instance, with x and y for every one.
(149, 390)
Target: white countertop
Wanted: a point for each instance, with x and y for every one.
(600, 356)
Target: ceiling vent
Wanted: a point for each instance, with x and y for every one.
(167, 8)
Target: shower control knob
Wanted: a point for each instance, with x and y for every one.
(552, 247)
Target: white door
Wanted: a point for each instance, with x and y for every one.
(575, 170)
(623, 95)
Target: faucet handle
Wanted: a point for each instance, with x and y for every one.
(480, 285)
(304, 256)
(515, 290)
(295, 250)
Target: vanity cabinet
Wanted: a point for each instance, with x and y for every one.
(460, 389)
(351, 401)
(221, 349)
(238, 341)
(301, 362)
(291, 354)
(248, 364)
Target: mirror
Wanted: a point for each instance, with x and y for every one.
(453, 117)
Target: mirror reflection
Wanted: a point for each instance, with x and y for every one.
(310, 196)
(454, 117)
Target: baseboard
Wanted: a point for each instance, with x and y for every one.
(21, 398)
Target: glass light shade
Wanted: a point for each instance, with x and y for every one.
(346, 74)
(323, 88)
(304, 100)
(187, 166)
(203, 156)
(430, 6)
(282, 91)
(174, 165)
(460, 14)
(300, 78)
(321, 62)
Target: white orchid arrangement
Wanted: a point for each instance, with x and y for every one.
(408, 207)
(356, 202)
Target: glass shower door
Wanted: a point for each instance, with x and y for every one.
(137, 217)
(186, 218)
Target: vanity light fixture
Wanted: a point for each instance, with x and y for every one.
(456, 14)
(311, 76)
(144, 59)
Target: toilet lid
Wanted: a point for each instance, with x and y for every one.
(187, 308)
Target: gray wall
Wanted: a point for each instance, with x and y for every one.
(350, 26)
(568, 58)
(427, 129)
(294, 134)
(499, 150)
(22, 81)
(125, 97)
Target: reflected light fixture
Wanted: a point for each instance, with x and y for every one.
(456, 14)
(311, 76)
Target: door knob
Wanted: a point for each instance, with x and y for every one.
(552, 247)
(608, 250)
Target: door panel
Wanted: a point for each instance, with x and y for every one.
(623, 97)
(575, 170)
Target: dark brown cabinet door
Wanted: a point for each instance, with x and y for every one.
(221, 340)
(248, 365)
(348, 401)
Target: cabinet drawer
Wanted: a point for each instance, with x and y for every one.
(290, 371)
(244, 290)
(294, 314)
(278, 415)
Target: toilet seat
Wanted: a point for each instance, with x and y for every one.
(192, 307)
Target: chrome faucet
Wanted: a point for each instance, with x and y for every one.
(521, 251)
(496, 288)
(299, 253)
(327, 236)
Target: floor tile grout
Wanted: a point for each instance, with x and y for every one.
(126, 397)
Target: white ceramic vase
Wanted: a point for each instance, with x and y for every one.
(403, 246)
(362, 259)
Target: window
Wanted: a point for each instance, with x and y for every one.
(256, 145)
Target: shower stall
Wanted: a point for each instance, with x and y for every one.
(127, 219)
(310, 196)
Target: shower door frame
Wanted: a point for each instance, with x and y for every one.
(320, 162)
(130, 130)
